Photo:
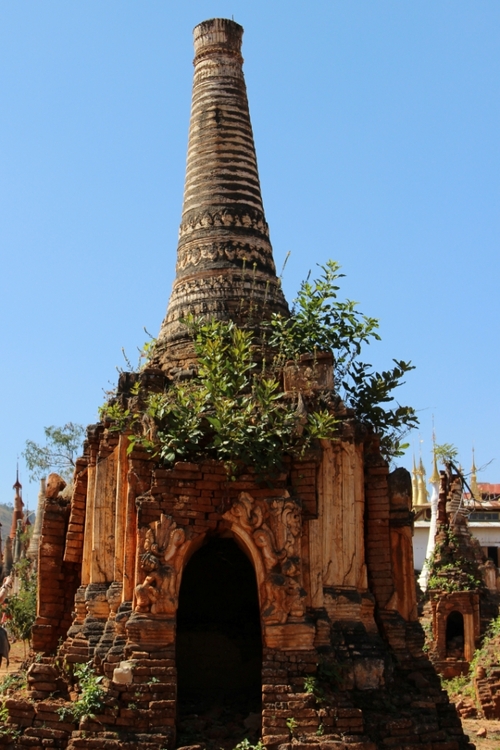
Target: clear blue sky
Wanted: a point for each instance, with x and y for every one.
(377, 134)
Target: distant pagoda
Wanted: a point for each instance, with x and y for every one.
(18, 512)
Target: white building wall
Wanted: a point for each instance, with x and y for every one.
(487, 533)
(420, 537)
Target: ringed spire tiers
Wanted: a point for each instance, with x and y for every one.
(225, 267)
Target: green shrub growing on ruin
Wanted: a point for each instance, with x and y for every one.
(20, 608)
(449, 570)
(458, 686)
(485, 656)
(247, 745)
(233, 407)
(320, 321)
(313, 687)
(13, 682)
(91, 698)
(7, 731)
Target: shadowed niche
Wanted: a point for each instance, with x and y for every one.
(455, 635)
(219, 642)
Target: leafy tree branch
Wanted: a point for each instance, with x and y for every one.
(320, 321)
(21, 607)
(58, 454)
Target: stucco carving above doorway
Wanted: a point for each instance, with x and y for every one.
(271, 529)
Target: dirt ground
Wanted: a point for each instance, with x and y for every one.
(18, 654)
(491, 741)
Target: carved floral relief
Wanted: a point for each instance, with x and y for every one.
(254, 220)
(193, 254)
(210, 295)
(161, 561)
(274, 528)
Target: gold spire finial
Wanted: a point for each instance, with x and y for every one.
(414, 483)
(422, 495)
(476, 492)
(434, 477)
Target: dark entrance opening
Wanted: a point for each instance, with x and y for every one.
(218, 647)
(493, 554)
(455, 635)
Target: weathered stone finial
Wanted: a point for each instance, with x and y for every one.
(217, 34)
(225, 268)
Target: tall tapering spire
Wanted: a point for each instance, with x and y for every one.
(225, 266)
(422, 489)
(434, 477)
(475, 489)
(18, 512)
(414, 483)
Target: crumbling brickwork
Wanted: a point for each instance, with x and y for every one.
(375, 648)
(459, 604)
(58, 579)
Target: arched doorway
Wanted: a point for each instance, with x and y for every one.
(218, 645)
(455, 635)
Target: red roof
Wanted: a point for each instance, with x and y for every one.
(489, 489)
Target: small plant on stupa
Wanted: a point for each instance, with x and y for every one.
(7, 731)
(312, 686)
(233, 409)
(91, 694)
(291, 724)
(247, 745)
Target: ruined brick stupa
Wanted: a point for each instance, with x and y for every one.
(219, 609)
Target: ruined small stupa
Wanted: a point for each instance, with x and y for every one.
(461, 596)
